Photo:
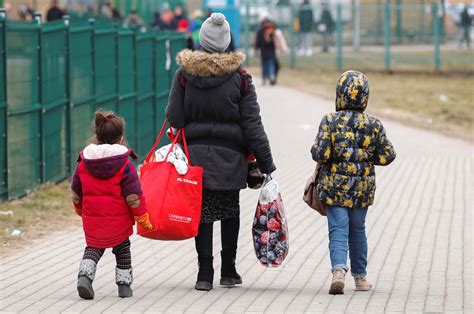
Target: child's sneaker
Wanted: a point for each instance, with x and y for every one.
(337, 284)
(361, 284)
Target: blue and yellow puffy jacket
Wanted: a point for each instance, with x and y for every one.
(348, 145)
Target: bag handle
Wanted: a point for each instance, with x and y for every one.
(185, 145)
(186, 151)
(175, 141)
(158, 139)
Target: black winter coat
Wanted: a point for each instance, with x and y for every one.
(221, 123)
(267, 47)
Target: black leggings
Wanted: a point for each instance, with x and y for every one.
(229, 236)
(121, 252)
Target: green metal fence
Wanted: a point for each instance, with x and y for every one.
(24, 132)
(54, 101)
(55, 75)
(127, 84)
(144, 60)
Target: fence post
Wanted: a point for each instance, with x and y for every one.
(356, 26)
(66, 20)
(386, 35)
(436, 37)
(4, 172)
(37, 20)
(292, 37)
(339, 36)
(422, 21)
(91, 22)
(399, 20)
(247, 31)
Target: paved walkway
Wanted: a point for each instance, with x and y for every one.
(420, 239)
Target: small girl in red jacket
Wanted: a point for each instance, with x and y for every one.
(107, 194)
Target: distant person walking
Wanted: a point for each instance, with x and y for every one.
(466, 23)
(134, 20)
(222, 123)
(265, 43)
(55, 12)
(157, 23)
(326, 26)
(179, 20)
(306, 21)
(26, 12)
(348, 145)
(107, 11)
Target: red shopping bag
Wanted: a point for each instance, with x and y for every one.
(174, 201)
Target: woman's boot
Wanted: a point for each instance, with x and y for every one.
(229, 275)
(205, 276)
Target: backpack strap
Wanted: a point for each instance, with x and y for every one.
(244, 81)
(183, 81)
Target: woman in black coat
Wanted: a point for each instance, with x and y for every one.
(222, 124)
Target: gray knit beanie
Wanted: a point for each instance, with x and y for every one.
(214, 35)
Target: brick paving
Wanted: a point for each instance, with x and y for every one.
(419, 230)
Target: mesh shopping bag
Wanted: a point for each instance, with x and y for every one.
(270, 227)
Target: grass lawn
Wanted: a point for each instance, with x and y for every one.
(442, 102)
(44, 211)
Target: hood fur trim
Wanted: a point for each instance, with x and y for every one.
(200, 63)
(93, 151)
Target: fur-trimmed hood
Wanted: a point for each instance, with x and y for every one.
(104, 161)
(203, 64)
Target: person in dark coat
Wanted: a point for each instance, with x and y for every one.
(265, 42)
(157, 23)
(466, 23)
(326, 26)
(54, 12)
(305, 15)
(221, 124)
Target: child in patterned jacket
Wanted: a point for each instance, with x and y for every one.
(107, 194)
(348, 146)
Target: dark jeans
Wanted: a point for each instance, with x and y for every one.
(269, 68)
(229, 236)
(466, 36)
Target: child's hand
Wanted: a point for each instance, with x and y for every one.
(144, 221)
(171, 133)
(78, 211)
(77, 202)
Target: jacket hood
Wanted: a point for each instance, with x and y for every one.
(352, 91)
(207, 70)
(105, 160)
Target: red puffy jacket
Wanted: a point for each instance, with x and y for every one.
(102, 185)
